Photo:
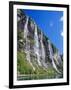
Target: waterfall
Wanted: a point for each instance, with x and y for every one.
(51, 56)
(25, 28)
(59, 59)
(43, 51)
(25, 37)
(27, 48)
(36, 46)
(42, 47)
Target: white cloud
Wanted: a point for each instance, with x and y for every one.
(61, 19)
(51, 24)
(62, 34)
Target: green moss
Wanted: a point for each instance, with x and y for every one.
(22, 65)
(32, 41)
(20, 34)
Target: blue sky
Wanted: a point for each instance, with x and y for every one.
(51, 23)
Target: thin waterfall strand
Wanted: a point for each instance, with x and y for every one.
(27, 42)
(43, 51)
(36, 47)
(51, 56)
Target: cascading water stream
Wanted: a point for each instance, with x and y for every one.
(43, 51)
(36, 46)
(25, 28)
(59, 59)
(51, 56)
(25, 37)
(42, 47)
(27, 49)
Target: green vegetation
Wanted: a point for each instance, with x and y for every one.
(24, 68)
(20, 34)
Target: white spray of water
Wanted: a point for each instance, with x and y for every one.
(43, 51)
(51, 56)
(36, 46)
(59, 59)
(27, 50)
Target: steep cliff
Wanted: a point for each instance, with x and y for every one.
(36, 54)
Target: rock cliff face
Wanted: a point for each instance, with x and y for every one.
(39, 51)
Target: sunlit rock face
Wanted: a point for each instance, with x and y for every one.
(40, 52)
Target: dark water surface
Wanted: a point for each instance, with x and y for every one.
(36, 77)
